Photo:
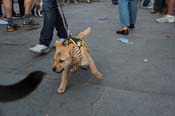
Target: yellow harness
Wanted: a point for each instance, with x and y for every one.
(77, 42)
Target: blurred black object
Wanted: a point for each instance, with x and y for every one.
(22, 88)
(146, 2)
(114, 2)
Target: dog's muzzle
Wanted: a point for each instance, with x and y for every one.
(55, 70)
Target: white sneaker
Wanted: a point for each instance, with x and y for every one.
(40, 49)
(150, 7)
(3, 22)
(166, 19)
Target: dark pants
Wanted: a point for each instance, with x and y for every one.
(0, 8)
(52, 19)
(159, 5)
(21, 7)
(146, 2)
(114, 2)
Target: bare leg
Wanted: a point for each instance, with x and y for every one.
(8, 8)
(63, 82)
(171, 7)
(27, 19)
(28, 6)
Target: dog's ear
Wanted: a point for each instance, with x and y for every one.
(84, 34)
(58, 43)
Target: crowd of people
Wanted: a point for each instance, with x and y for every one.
(25, 12)
(128, 12)
(54, 18)
(162, 7)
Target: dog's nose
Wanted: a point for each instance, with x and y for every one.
(54, 69)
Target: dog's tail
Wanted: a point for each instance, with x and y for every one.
(83, 35)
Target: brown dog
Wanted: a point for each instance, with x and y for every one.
(70, 56)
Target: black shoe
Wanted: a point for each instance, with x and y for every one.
(31, 23)
(12, 27)
(115, 2)
(123, 32)
(155, 12)
(132, 26)
(16, 15)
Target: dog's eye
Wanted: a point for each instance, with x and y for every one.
(61, 61)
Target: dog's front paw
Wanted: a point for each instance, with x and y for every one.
(98, 75)
(60, 90)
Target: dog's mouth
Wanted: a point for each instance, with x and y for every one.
(60, 71)
(54, 69)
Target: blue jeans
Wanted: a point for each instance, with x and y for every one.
(127, 12)
(52, 19)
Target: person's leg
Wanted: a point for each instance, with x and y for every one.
(13, 10)
(1, 15)
(8, 9)
(27, 19)
(52, 18)
(0, 8)
(169, 18)
(61, 25)
(146, 2)
(132, 12)
(115, 2)
(49, 13)
(124, 16)
(28, 6)
(164, 7)
(50, 10)
(171, 7)
(124, 12)
(158, 6)
(21, 7)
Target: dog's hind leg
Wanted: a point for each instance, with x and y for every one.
(94, 69)
(63, 81)
(85, 56)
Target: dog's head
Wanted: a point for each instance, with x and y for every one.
(62, 57)
(67, 54)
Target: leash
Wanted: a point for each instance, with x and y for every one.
(64, 20)
(64, 16)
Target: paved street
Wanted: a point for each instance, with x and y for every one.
(139, 77)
